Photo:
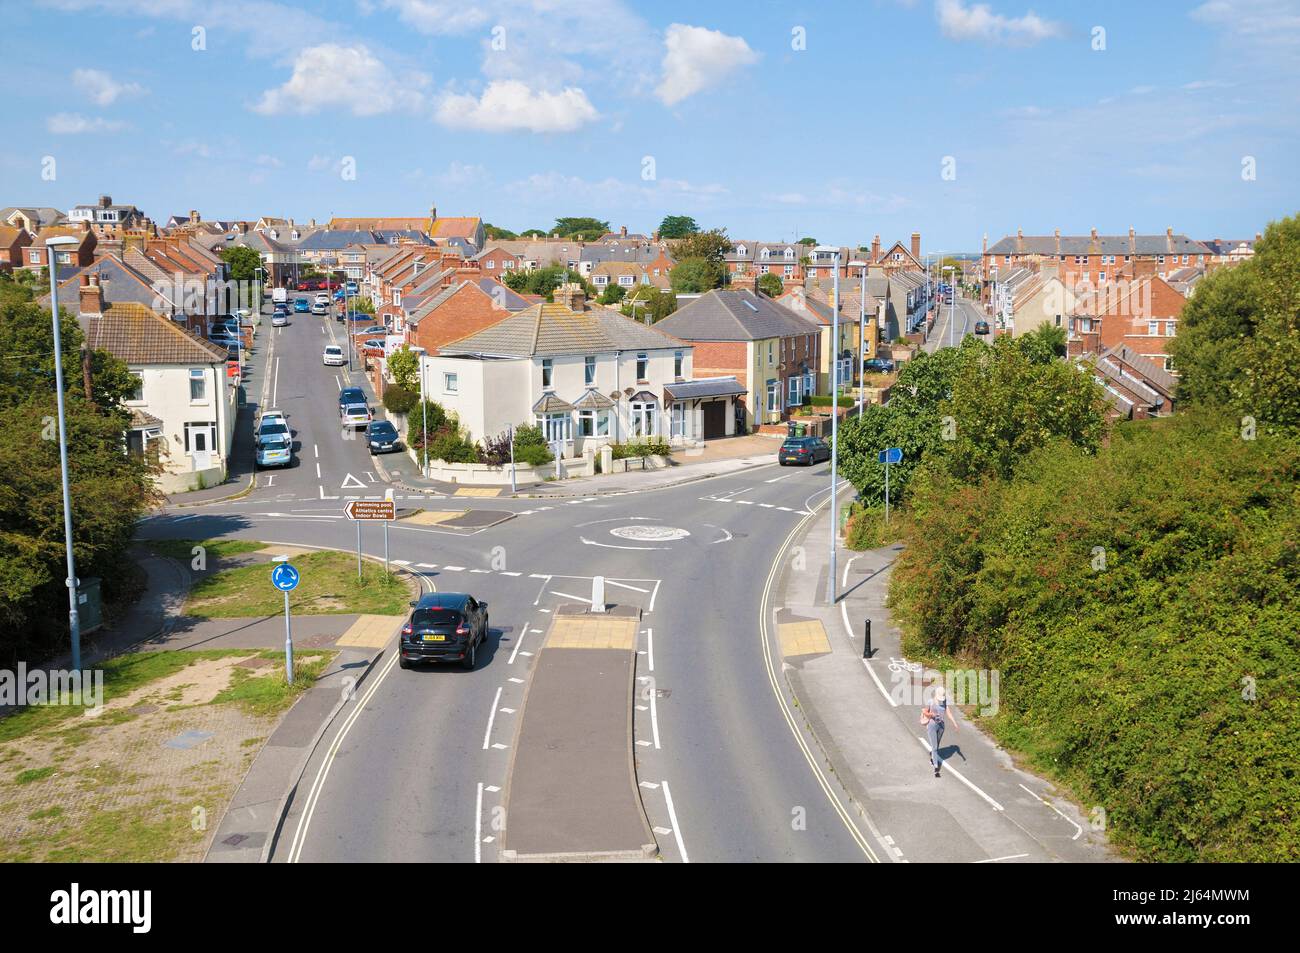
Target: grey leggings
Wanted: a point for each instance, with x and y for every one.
(935, 732)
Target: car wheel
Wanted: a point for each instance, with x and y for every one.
(468, 661)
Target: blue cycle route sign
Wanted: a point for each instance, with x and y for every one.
(284, 577)
(892, 455)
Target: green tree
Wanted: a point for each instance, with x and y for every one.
(244, 262)
(677, 226)
(544, 281)
(613, 294)
(649, 300)
(696, 275)
(583, 229)
(501, 234)
(1238, 339)
(1045, 343)
(710, 245)
(533, 233)
(771, 285)
(361, 305)
(807, 241)
(404, 368)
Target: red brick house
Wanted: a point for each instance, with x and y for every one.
(78, 256)
(465, 306)
(1094, 258)
(13, 239)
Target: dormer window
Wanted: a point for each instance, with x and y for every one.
(767, 253)
(789, 253)
(741, 250)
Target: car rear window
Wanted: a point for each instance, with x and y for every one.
(436, 616)
(356, 408)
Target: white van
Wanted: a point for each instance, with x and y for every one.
(279, 296)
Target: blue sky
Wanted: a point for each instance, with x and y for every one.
(776, 120)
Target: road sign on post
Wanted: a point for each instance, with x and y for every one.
(285, 578)
(364, 511)
(892, 455)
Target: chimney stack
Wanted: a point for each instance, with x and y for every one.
(105, 201)
(916, 245)
(875, 249)
(1058, 241)
(1094, 233)
(1169, 239)
(572, 295)
(622, 231)
(194, 216)
(92, 295)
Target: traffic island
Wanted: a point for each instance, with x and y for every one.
(572, 793)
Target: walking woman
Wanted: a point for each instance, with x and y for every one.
(934, 716)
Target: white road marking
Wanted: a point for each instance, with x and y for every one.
(652, 597)
(994, 860)
(1077, 829)
(318, 476)
(316, 450)
(478, 825)
(453, 568)
(427, 565)
(677, 829)
(518, 644)
(650, 644)
(270, 477)
(504, 573)
(623, 585)
(780, 478)
(970, 784)
(400, 562)
(275, 388)
(567, 595)
(355, 482)
(492, 716)
(592, 542)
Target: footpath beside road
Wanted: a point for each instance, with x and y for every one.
(865, 715)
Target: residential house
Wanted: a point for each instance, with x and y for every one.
(183, 408)
(586, 376)
(1140, 313)
(31, 218)
(1093, 258)
(1135, 387)
(773, 352)
(13, 239)
(458, 306)
(104, 215)
(813, 303)
(77, 256)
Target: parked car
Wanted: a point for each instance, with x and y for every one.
(381, 437)
(275, 450)
(444, 627)
(301, 305)
(372, 348)
(271, 429)
(878, 365)
(351, 395)
(354, 415)
(805, 450)
(333, 356)
(322, 297)
(271, 415)
(981, 327)
(373, 329)
(227, 339)
(280, 319)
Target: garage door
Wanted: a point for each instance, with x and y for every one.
(715, 419)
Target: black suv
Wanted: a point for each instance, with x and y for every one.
(381, 436)
(444, 627)
(351, 395)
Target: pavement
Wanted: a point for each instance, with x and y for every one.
(865, 715)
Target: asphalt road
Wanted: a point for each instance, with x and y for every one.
(419, 773)
(956, 326)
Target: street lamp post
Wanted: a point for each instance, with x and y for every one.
(862, 340)
(74, 618)
(952, 302)
(835, 408)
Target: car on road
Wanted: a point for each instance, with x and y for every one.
(381, 437)
(320, 308)
(280, 319)
(271, 415)
(444, 627)
(271, 429)
(981, 327)
(878, 365)
(354, 415)
(351, 395)
(275, 450)
(301, 305)
(804, 450)
(333, 356)
(322, 297)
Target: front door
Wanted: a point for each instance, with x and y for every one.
(715, 419)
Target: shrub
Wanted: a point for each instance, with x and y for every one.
(650, 446)
(867, 529)
(450, 446)
(399, 400)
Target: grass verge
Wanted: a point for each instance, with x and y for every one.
(329, 585)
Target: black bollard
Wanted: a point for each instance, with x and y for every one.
(866, 641)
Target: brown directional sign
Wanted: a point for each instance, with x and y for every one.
(371, 510)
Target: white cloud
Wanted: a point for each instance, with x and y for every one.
(510, 105)
(697, 58)
(319, 163)
(614, 193)
(71, 124)
(437, 17)
(270, 161)
(100, 87)
(331, 75)
(978, 22)
(192, 147)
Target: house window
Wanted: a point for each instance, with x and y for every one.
(767, 253)
(138, 393)
(556, 427)
(763, 269)
(491, 264)
(198, 385)
(1153, 328)
(771, 354)
(450, 383)
(678, 360)
(600, 280)
(643, 419)
(627, 280)
(642, 367)
(1170, 328)
(773, 397)
(1101, 276)
(789, 253)
(593, 423)
(589, 370)
(548, 372)
(34, 256)
(795, 398)
(740, 250)
(789, 271)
